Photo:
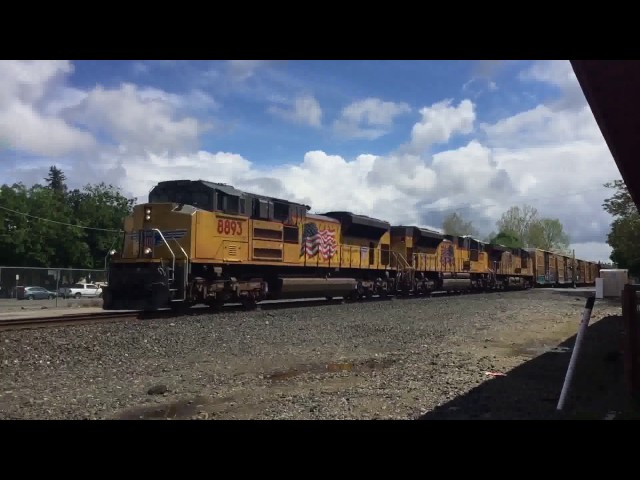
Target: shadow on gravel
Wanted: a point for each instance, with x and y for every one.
(532, 390)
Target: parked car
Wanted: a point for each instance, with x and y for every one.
(79, 290)
(36, 293)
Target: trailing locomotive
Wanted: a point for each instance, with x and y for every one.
(198, 242)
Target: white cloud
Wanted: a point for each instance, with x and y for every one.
(25, 129)
(194, 100)
(469, 170)
(543, 126)
(593, 251)
(62, 99)
(560, 74)
(305, 110)
(28, 80)
(369, 118)
(25, 124)
(140, 120)
(479, 85)
(555, 72)
(440, 122)
(144, 171)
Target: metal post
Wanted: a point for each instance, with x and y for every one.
(631, 340)
(109, 253)
(586, 315)
(57, 286)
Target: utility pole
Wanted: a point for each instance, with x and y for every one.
(573, 266)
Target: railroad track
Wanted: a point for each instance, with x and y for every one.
(110, 316)
(61, 320)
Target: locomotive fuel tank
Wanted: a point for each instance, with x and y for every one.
(315, 287)
(456, 281)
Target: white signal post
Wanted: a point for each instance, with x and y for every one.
(584, 323)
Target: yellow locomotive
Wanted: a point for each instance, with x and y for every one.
(198, 242)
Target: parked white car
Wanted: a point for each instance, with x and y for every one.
(79, 290)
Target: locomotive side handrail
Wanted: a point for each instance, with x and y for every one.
(186, 270)
(173, 265)
(401, 257)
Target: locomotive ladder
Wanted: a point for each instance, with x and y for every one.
(404, 267)
(171, 279)
(186, 271)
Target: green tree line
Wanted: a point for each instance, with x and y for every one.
(48, 225)
(518, 227)
(624, 235)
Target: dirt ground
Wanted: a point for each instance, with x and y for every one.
(484, 356)
(533, 355)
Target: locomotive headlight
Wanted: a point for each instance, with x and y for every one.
(147, 217)
(147, 251)
(147, 211)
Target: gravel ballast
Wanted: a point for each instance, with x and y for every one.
(397, 359)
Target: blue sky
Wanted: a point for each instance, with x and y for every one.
(243, 95)
(408, 141)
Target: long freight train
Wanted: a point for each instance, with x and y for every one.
(197, 242)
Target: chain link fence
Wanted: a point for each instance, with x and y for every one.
(49, 285)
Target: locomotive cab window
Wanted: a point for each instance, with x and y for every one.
(475, 248)
(262, 209)
(227, 203)
(280, 211)
(201, 200)
(385, 255)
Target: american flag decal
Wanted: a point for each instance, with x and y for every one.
(447, 254)
(316, 241)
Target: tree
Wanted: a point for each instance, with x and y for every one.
(56, 180)
(52, 242)
(548, 234)
(454, 224)
(506, 239)
(13, 226)
(517, 222)
(45, 226)
(624, 237)
(102, 208)
(523, 227)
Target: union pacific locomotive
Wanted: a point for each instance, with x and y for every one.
(198, 242)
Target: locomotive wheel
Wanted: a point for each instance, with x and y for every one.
(248, 303)
(216, 305)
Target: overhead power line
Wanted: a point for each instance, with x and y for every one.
(59, 223)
